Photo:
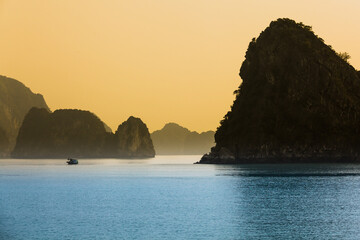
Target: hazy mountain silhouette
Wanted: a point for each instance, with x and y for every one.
(76, 133)
(173, 139)
(299, 101)
(15, 101)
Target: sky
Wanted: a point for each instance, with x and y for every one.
(160, 60)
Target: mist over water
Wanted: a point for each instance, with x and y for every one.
(170, 198)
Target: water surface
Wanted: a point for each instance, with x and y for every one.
(170, 198)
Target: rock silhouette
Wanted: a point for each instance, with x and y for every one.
(133, 139)
(299, 102)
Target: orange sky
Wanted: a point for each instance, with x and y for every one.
(160, 60)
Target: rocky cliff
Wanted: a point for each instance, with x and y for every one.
(15, 102)
(133, 139)
(174, 139)
(299, 101)
(76, 133)
(4, 143)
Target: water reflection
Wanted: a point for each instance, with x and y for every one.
(296, 201)
(289, 170)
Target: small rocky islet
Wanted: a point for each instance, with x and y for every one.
(299, 102)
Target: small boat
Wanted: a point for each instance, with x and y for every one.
(71, 161)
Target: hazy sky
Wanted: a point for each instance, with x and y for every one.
(160, 60)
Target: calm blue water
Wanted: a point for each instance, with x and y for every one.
(170, 198)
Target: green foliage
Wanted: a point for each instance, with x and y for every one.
(344, 56)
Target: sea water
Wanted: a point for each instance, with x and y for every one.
(168, 197)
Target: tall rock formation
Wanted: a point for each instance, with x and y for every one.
(299, 102)
(15, 102)
(174, 139)
(133, 139)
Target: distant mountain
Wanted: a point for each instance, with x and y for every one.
(76, 133)
(15, 101)
(299, 101)
(174, 139)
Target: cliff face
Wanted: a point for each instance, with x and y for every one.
(76, 133)
(15, 102)
(173, 139)
(299, 101)
(133, 139)
(4, 143)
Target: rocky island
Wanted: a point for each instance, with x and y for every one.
(81, 134)
(132, 139)
(299, 101)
